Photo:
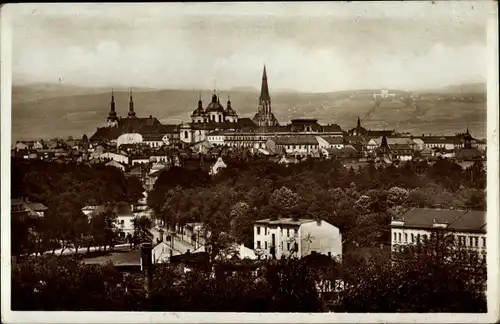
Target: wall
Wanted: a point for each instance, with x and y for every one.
(403, 236)
(129, 138)
(324, 238)
(125, 224)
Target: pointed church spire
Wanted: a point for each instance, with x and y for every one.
(264, 90)
(131, 112)
(359, 123)
(112, 100)
(112, 112)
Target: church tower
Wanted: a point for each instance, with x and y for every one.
(264, 99)
(112, 119)
(264, 115)
(131, 112)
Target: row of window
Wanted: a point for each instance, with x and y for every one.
(300, 147)
(289, 231)
(461, 239)
(288, 246)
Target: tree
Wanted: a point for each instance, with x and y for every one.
(142, 226)
(431, 278)
(285, 200)
(135, 189)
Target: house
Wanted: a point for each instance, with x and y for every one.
(21, 208)
(445, 142)
(298, 145)
(124, 214)
(288, 160)
(348, 151)
(467, 227)
(115, 164)
(419, 143)
(402, 152)
(375, 143)
(38, 208)
(218, 166)
(330, 142)
(139, 159)
(20, 146)
(124, 218)
(296, 237)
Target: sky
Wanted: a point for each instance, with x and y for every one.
(307, 47)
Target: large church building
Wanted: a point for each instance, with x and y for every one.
(214, 123)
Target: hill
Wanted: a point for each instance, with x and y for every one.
(52, 111)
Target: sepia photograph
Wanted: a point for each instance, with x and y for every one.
(232, 162)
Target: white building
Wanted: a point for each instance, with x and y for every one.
(330, 142)
(467, 227)
(115, 164)
(216, 138)
(218, 166)
(289, 237)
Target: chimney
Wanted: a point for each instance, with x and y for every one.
(146, 266)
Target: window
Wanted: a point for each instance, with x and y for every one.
(395, 236)
(265, 244)
(484, 241)
(476, 241)
(399, 236)
(186, 134)
(471, 240)
(258, 244)
(287, 232)
(288, 246)
(418, 238)
(258, 230)
(406, 237)
(122, 222)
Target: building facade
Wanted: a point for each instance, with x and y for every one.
(296, 237)
(467, 228)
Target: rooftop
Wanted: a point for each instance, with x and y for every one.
(284, 221)
(457, 220)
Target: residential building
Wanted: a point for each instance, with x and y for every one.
(296, 237)
(218, 166)
(38, 208)
(467, 227)
(375, 143)
(330, 142)
(115, 164)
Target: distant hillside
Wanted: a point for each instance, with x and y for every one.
(39, 112)
(472, 88)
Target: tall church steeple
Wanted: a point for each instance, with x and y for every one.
(112, 117)
(131, 112)
(359, 123)
(265, 99)
(265, 116)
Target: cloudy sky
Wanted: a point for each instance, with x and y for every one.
(306, 47)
